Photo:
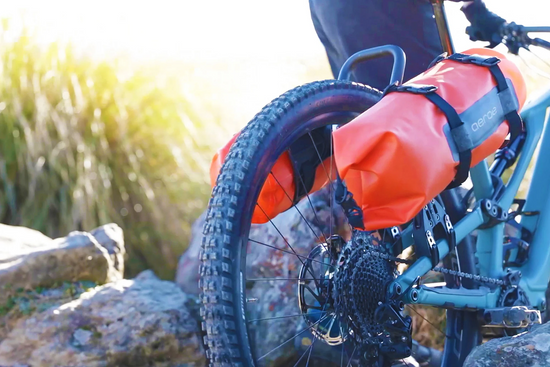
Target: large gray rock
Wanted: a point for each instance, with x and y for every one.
(140, 322)
(187, 273)
(528, 349)
(111, 237)
(28, 259)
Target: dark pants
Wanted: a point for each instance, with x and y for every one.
(348, 26)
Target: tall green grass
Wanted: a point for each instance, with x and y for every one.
(84, 143)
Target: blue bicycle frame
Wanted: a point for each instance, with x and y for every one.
(489, 247)
(536, 271)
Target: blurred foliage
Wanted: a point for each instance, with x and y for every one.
(429, 325)
(85, 143)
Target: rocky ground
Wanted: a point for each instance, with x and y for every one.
(65, 302)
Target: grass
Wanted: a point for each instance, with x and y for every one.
(85, 143)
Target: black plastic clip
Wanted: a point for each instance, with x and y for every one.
(431, 223)
(345, 199)
(475, 59)
(395, 245)
(519, 210)
(437, 60)
(451, 235)
(521, 248)
(410, 88)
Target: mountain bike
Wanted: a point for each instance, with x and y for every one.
(305, 289)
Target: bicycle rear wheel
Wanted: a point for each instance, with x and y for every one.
(252, 278)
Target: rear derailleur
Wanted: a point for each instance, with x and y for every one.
(397, 341)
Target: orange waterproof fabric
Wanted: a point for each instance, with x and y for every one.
(276, 194)
(395, 156)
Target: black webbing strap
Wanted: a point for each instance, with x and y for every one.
(506, 99)
(504, 92)
(464, 156)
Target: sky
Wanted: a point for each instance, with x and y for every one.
(205, 30)
(231, 56)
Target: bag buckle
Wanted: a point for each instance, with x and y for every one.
(475, 59)
(410, 88)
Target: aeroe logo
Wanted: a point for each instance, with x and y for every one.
(487, 116)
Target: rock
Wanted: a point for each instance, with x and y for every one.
(28, 259)
(531, 348)
(146, 275)
(140, 322)
(24, 303)
(187, 273)
(111, 237)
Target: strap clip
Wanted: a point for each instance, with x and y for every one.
(475, 59)
(410, 88)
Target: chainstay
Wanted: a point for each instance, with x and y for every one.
(438, 269)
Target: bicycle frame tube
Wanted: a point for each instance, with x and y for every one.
(442, 26)
(490, 241)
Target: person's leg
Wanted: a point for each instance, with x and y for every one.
(345, 27)
(330, 49)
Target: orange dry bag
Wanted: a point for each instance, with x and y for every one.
(406, 149)
(283, 186)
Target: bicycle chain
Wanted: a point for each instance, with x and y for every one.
(438, 269)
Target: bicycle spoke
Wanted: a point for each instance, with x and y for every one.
(294, 337)
(312, 207)
(311, 348)
(314, 338)
(284, 239)
(316, 296)
(302, 356)
(291, 253)
(317, 218)
(425, 319)
(331, 191)
(319, 155)
(302, 331)
(298, 210)
(328, 176)
(352, 354)
(279, 317)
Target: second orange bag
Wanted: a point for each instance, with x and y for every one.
(406, 149)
